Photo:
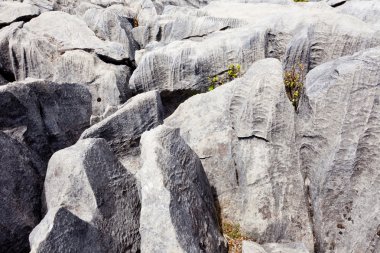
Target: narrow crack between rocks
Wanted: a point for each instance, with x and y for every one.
(24, 19)
(206, 34)
(128, 62)
(252, 137)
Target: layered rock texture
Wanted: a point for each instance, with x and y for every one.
(98, 195)
(174, 183)
(148, 125)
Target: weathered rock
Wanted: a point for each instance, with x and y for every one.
(186, 65)
(316, 33)
(285, 248)
(123, 129)
(368, 11)
(114, 23)
(6, 70)
(14, 11)
(74, 7)
(159, 5)
(43, 115)
(43, 5)
(95, 187)
(62, 231)
(47, 48)
(21, 180)
(339, 134)
(243, 133)
(64, 33)
(178, 213)
(252, 247)
(180, 23)
(106, 82)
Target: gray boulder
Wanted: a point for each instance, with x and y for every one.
(57, 46)
(114, 23)
(64, 33)
(123, 129)
(14, 11)
(43, 115)
(21, 180)
(243, 132)
(94, 186)
(338, 133)
(178, 213)
(61, 231)
(106, 82)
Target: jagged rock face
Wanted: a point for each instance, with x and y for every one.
(43, 115)
(294, 179)
(187, 64)
(66, 50)
(114, 23)
(178, 213)
(250, 161)
(315, 34)
(94, 186)
(20, 194)
(339, 135)
(123, 129)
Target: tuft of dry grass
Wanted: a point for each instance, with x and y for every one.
(294, 82)
(234, 237)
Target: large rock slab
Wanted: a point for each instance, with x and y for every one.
(339, 134)
(21, 180)
(243, 133)
(94, 186)
(186, 65)
(178, 212)
(43, 115)
(123, 129)
(228, 33)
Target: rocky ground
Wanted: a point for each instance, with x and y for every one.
(166, 126)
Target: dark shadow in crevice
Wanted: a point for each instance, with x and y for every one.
(7, 76)
(24, 19)
(218, 208)
(338, 4)
(172, 99)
